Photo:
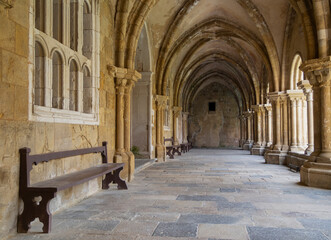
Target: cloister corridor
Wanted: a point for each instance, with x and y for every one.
(203, 194)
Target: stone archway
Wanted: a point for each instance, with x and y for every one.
(141, 124)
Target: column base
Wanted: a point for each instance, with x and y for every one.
(248, 145)
(258, 150)
(296, 159)
(297, 149)
(123, 157)
(315, 174)
(131, 165)
(160, 153)
(275, 157)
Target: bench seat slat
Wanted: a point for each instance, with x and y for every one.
(75, 178)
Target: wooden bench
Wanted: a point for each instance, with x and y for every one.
(172, 149)
(47, 189)
(184, 147)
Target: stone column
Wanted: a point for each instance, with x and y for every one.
(161, 102)
(249, 142)
(285, 123)
(185, 126)
(268, 109)
(127, 127)
(317, 171)
(264, 129)
(307, 89)
(124, 81)
(296, 97)
(300, 125)
(276, 155)
(257, 148)
(120, 90)
(176, 112)
(242, 131)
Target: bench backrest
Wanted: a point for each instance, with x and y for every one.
(169, 140)
(27, 160)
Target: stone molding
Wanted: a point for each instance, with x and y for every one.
(7, 3)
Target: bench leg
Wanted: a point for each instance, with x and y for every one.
(33, 210)
(115, 178)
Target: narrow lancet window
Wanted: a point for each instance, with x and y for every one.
(58, 20)
(39, 86)
(87, 91)
(73, 88)
(57, 81)
(40, 15)
(74, 24)
(87, 26)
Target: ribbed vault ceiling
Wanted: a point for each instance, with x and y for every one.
(238, 43)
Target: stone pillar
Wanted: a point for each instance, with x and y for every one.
(124, 81)
(317, 170)
(257, 148)
(276, 155)
(127, 127)
(264, 126)
(185, 126)
(242, 130)
(268, 109)
(176, 113)
(285, 124)
(161, 102)
(307, 89)
(120, 90)
(249, 142)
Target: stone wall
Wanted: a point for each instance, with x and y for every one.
(17, 131)
(215, 129)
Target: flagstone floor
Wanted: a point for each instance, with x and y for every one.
(206, 195)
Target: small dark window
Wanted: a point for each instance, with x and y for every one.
(212, 106)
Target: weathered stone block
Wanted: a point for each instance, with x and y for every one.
(7, 33)
(22, 41)
(7, 101)
(15, 71)
(21, 103)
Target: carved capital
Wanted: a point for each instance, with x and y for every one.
(305, 86)
(126, 73)
(161, 102)
(258, 108)
(318, 71)
(268, 107)
(294, 95)
(275, 96)
(7, 3)
(177, 111)
(120, 84)
(248, 114)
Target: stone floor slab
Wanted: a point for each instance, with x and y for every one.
(260, 233)
(176, 230)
